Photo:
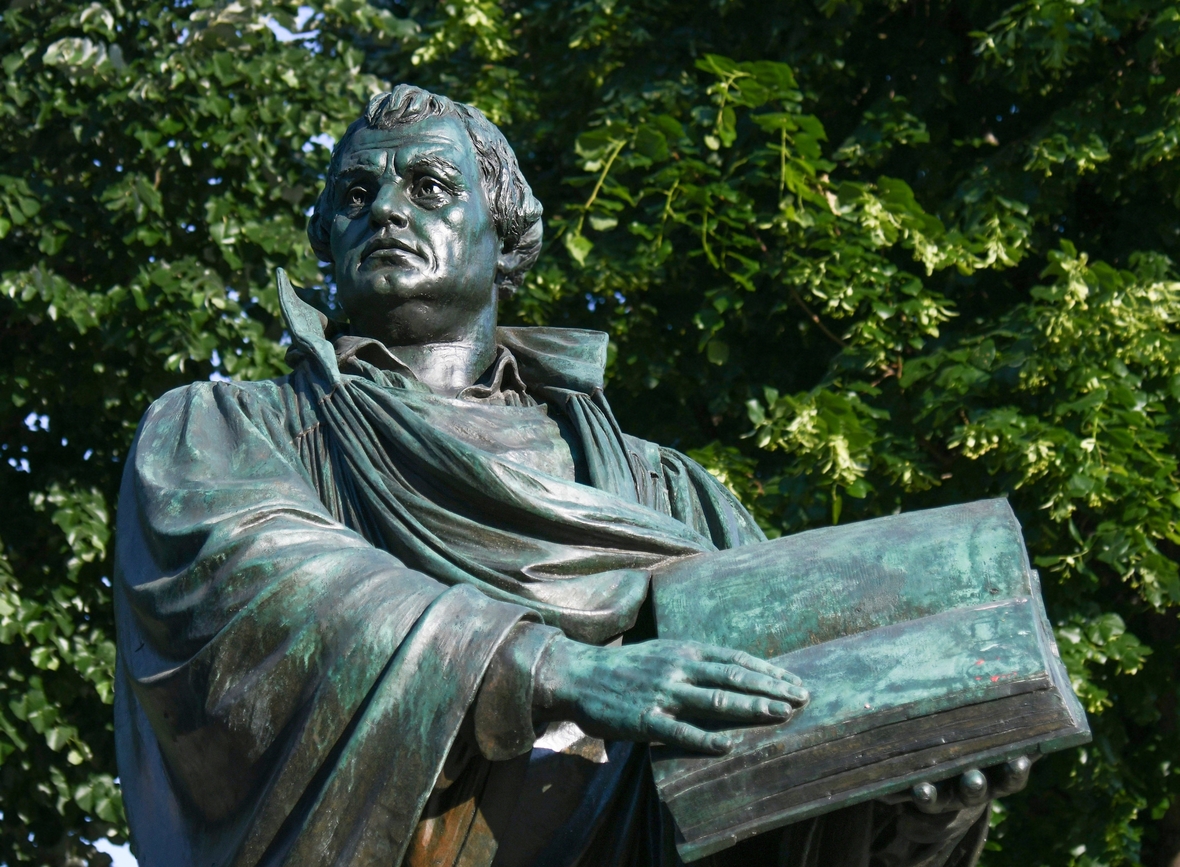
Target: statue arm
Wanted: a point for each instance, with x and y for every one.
(504, 716)
(268, 654)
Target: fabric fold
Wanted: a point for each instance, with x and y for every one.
(313, 575)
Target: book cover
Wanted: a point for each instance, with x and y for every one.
(922, 638)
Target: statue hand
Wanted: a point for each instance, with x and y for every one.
(647, 691)
(970, 789)
(950, 815)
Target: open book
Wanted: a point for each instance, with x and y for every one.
(922, 638)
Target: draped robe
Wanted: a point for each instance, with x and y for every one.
(315, 575)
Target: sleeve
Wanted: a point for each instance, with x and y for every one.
(504, 709)
(284, 687)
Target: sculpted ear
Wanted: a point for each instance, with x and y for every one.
(319, 229)
(509, 263)
(513, 263)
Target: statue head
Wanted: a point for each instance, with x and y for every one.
(425, 211)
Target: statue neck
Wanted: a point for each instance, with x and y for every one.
(450, 362)
(447, 368)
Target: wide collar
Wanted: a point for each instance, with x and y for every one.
(563, 358)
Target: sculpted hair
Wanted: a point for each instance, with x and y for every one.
(514, 209)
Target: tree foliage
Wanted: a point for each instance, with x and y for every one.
(856, 256)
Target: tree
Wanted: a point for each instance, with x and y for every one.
(857, 257)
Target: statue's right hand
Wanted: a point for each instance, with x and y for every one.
(656, 690)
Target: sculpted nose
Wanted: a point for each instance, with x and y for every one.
(389, 207)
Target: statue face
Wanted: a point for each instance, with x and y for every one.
(413, 241)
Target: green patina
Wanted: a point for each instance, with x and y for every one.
(346, 596)
(898, 626)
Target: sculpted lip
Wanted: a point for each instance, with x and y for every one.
(385, 242)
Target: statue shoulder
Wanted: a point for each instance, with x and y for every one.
(215, 402)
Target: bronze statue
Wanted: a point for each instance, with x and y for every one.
(390, 609)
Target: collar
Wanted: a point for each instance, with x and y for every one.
(501, 383)
(541, 358)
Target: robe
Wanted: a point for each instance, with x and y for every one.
(318, 578)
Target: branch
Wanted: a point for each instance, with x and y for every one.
(818, 324)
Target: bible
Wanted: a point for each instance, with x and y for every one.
(922, 638)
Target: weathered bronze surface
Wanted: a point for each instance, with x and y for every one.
(393, 608)
(924, 644)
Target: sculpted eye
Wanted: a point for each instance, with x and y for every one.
(357, 196)
(427, 187)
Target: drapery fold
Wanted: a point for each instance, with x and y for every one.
(266, 649)
(312, 579)
(314, 573)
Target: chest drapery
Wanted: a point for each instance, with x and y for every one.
(313, 574)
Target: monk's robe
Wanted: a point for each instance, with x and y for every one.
(327, 586)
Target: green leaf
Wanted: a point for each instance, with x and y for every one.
(578, 245)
